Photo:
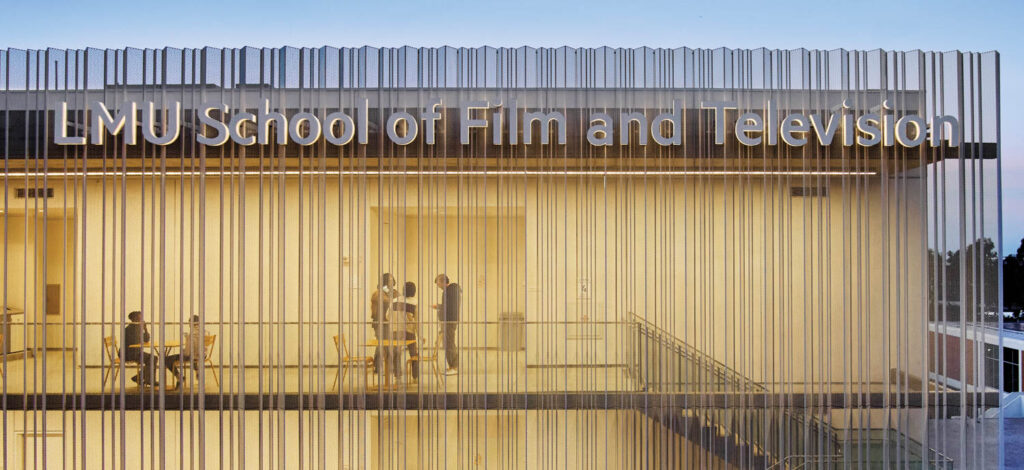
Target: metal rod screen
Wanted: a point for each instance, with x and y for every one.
(609, 298)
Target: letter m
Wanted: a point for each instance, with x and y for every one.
(545, 126)
(103, 122)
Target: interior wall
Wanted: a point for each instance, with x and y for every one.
(482, 251)
(783, 289)
(38, 248)
(20, 247)
(351, 440)
(59, 262)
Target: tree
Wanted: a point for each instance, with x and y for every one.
(970, 287)
(1013, 280)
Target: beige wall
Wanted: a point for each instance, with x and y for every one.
(35, 250)
(350, 440)
(783, 289)
(20, 251)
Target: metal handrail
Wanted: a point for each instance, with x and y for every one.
(929, 457)
(717, 368)
(730, 419)
(807, 458)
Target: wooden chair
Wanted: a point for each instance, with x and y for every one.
(208, 342)
(347, 362)
(114, 357)
(433, 359)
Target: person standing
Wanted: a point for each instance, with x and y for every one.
(404, 328)
(380, 303)
(448, 315)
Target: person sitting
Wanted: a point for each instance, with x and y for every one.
(135, 335)
(193, 349)
(404, 327)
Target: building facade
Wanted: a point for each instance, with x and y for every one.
(660, 258)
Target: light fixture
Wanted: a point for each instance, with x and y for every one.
(372, 172)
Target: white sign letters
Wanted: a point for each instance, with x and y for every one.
(751, 127)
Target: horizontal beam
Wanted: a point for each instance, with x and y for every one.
(176, 400)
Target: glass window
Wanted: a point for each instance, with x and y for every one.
(991, 365)
(1011, 370)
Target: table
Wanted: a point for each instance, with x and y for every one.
(388, 343)
(168, 346)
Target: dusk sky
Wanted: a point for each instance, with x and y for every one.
(931, 25)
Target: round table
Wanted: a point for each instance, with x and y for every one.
(388, 343)
(167, 347)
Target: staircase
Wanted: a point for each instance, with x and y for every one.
(702, 428)
(748, 436)
(662, 363)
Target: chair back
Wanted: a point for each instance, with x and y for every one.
(438, 344)
(208, 341)
(337, 344)
(110, 348)
(344, 346)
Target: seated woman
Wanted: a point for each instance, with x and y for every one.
(404, 327)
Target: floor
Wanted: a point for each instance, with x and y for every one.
(481, 371)
(1013, 435)
(982, 441)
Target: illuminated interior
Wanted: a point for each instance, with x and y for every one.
(698, 305)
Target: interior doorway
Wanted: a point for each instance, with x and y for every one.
(39, 260)
(484, 252)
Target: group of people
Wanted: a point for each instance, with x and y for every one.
(394, 317)
(394, 314)
(136, 338)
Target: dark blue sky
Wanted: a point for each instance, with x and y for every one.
(895, 25)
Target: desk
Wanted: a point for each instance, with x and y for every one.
(388, 343)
